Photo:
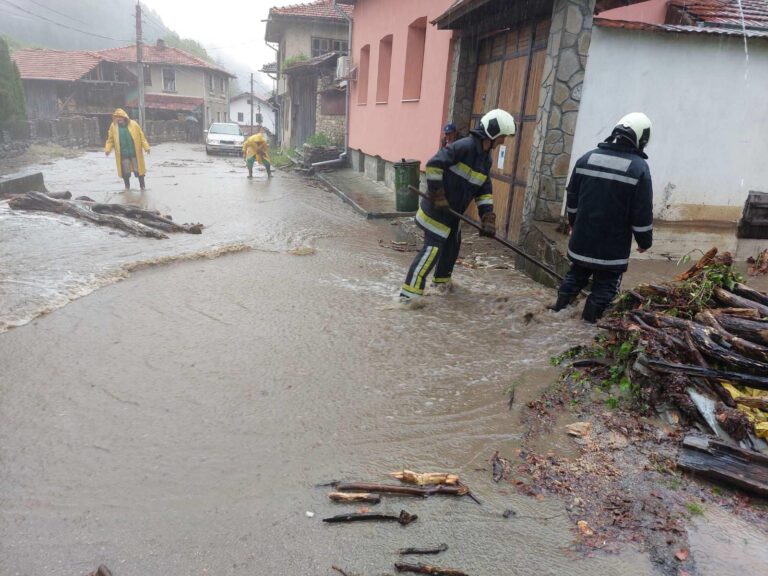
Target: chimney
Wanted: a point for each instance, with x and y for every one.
(160, 43)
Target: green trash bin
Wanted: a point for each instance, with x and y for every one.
(406, 174)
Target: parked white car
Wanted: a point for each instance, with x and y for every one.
(224, 137)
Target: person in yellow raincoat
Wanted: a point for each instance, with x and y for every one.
(256, 149)
(127, 139)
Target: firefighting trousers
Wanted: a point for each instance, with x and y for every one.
(605, 285)
(438, 253)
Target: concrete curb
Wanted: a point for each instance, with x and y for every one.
(20, 184)
(359, 209)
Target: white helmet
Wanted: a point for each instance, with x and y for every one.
(497, 123)
(636, 127)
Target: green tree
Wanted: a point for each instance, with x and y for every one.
(11, 91)
(188, 45)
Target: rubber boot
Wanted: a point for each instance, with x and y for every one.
(268, 166)
(142, 185)
(592, 312)
(563, 301)
(127, 180)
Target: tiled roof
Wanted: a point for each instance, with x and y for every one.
(726, 13)
(319, 9)
(165, 102)
(312, 62)
(158, 55)
(270, 68)
(44, 64)
(606, 23)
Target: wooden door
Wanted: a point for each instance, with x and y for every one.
(509, 76)
(303, 109)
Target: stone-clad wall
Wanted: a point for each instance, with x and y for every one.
(566, 61)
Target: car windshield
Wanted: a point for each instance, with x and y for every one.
(232, 129)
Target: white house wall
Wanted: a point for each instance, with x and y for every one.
(241, 105)
(297, 41)
(708, 107)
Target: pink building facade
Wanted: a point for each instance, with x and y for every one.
(399, 98)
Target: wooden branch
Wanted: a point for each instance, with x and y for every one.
(730, 464)
(749, 313)
(404, 518)
(759, 382)
(759, 402)
(435, 550)
(705, 260)
(401, 490)
(425, 478)
(742, 346)
(731, 299)
(752, 330)
(355, 497)
(37, 201)
(146, 217)
(427, 569)
(750, 293)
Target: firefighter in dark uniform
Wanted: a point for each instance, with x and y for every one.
(456, 175)
(610, 200)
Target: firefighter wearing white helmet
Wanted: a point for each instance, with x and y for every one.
(610, 200)
(456, 176)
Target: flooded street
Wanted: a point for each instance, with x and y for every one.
(178, 421)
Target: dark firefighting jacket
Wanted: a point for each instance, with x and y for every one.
(610, 199)
(462, 170)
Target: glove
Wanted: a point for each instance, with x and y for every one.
(438, 199)
(489, 225)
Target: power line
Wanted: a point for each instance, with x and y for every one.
(59, 13)
(44, 18)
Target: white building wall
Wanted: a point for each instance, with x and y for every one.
(707, 103)
(241, 105)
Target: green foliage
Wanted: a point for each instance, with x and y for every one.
(188, 45)
(694, 508)
(11, 91)
(612, 402)
(288, 62)
(280, 159)
(318, 139)
(701, 287)
(567, 355)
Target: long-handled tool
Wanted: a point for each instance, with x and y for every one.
(499, 239)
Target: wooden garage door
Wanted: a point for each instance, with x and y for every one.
(509, 76)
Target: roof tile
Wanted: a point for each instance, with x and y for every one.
(319, 9)
(44, 64)
(158, 55)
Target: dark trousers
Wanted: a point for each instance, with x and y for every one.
(438, 253)
(605, 285)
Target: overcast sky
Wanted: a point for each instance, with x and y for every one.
(231, 28)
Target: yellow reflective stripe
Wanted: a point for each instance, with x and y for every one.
(484, 200)
(412, 290)
(476, 178)
(441, 280)
(434, 173)
(432, 225)
(427, 264)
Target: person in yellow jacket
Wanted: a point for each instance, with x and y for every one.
(256, 149)
(127, 139)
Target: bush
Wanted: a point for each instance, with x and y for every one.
(11, 92)
(318, 140)
(288, 62)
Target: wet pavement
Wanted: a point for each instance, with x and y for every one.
(178, 421)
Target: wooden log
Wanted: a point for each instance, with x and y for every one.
(749, 313)
(66, 195)
(706, 260)
(753, 381)
(744, 469)
(427, 569)
(348, 497)
(750, 293)
(735, 301)
(146, 217)
(404, 518)
(460, 490)
(425, 478)
(434, 550)
(752, 330)
(37, 201)
(759, 402)
(742, 346)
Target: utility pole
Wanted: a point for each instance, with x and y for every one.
(251, 102)
(139, 65)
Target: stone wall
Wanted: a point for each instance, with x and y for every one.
(463, 77)
(564, 67)
(332, 125)
(158, 131)
(75, 132)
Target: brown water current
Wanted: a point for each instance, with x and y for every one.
(177, 422)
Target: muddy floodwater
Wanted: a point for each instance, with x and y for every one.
(178, 421)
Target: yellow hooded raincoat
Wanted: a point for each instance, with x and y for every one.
(258, 146)
(139, 141)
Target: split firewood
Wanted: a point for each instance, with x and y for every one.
(736, 301)
(366, 497)
(426, 478)
(427, 569)
(704, 261)
(404, 518)
(435, 550)
(37, 201)
(459, 490)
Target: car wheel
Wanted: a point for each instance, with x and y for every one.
(207, 151)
